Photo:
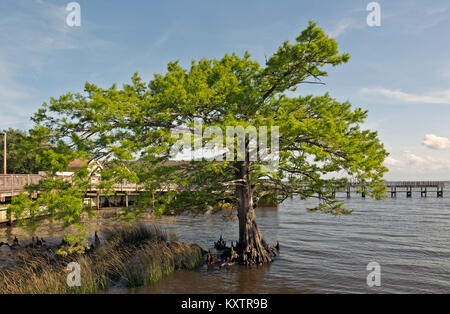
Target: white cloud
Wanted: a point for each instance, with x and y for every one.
(31, 35)
(437, 97)
(415, 164)
(37, 28)
(340, 29)
(432, 16)
(13, 95)
(436, 142)
(343, 26)
(426, 162)
(389, 161)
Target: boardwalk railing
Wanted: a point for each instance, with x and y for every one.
(13, 184)
(416, 184)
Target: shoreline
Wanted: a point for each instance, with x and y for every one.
(137, 256)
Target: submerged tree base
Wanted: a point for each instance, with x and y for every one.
(262, 254)
(133, 256)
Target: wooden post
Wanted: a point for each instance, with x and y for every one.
(423, 191)
(10, 220)
(98, 200)
(409, 192)
(126, 199)
(4, 153)
(393, 191)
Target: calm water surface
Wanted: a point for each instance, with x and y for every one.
(409, 238)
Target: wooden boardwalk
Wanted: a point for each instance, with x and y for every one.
(13, 184)
(125, 193)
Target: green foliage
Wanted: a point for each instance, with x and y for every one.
(130, 130)
(332, 207)
(58, 199)
(23, 150)
(25, 210)
(75, 243)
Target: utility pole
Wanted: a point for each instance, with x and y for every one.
(4, 152)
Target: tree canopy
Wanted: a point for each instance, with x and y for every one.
(321, 143)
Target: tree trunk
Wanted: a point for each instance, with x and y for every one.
(252, 248)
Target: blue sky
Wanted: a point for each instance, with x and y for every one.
(399, 71)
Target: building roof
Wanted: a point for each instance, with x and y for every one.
(77, 163)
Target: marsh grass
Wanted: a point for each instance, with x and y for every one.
(134, 255)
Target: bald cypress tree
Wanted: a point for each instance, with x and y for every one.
(132, 129)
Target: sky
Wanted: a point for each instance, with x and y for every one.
(398, 71)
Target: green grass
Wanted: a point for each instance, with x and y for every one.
(137, 256)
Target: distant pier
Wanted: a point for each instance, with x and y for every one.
(407, 188)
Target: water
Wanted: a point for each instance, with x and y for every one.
(409, 238)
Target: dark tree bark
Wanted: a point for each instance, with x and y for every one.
(252, 248)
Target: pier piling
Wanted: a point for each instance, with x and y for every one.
(393, 191)
(409, 192)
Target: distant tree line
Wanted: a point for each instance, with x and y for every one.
(22, 148)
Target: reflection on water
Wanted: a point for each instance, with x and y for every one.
(409, 238)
